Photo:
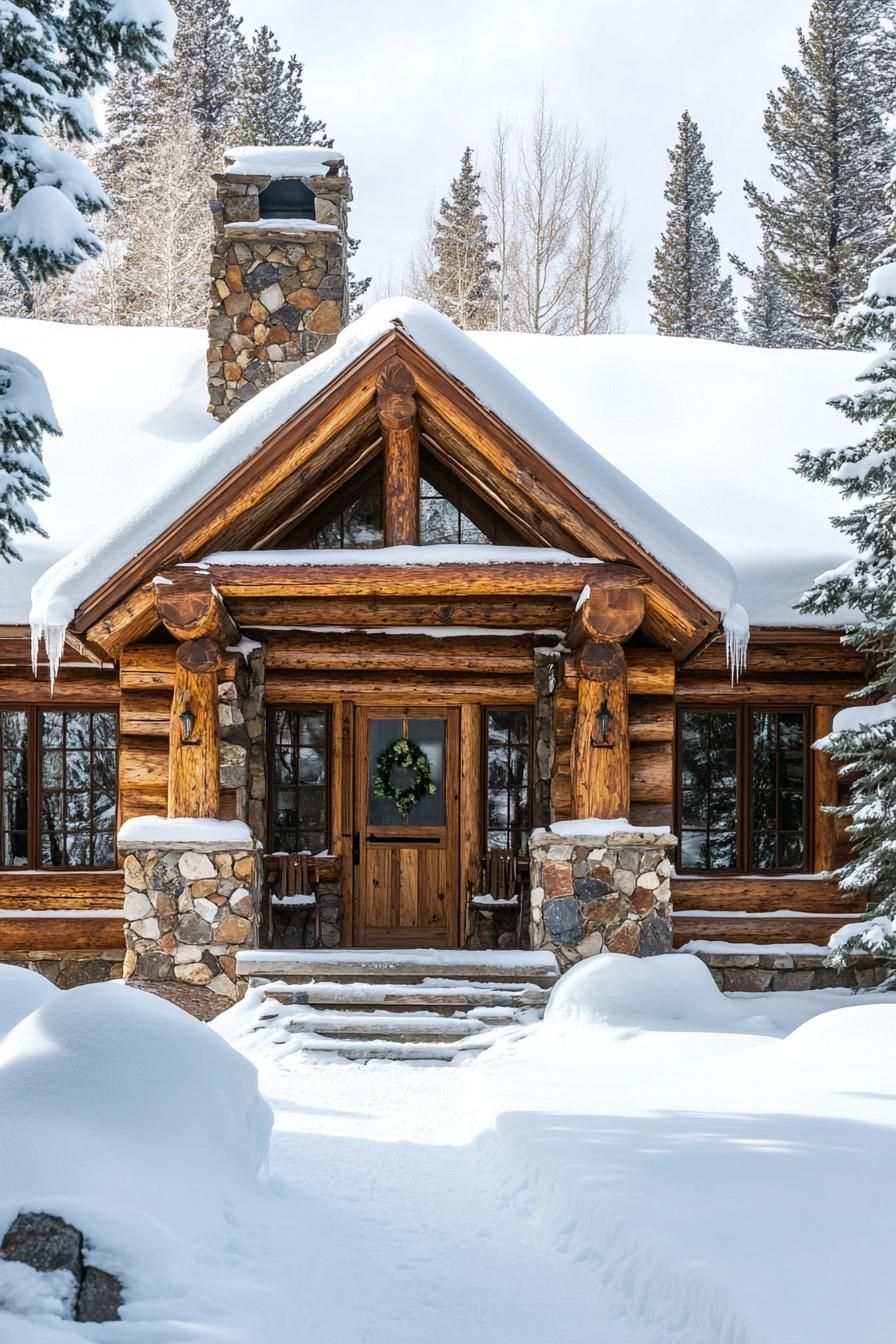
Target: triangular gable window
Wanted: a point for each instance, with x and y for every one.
(450, 514)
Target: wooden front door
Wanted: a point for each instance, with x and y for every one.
(406, 875)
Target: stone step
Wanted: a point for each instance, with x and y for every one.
(384, 1026)
(406, 967)
(410, 998)
(424, 1052)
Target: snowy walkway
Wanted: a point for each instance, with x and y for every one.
(408, 1240)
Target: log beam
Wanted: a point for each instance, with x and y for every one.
(193, 787)
(190, 607)
(522, 578)
(601, 785)
(396, 407)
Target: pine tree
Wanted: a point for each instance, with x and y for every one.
(688, 295)
(204, 76)
(831, 152)
(52, 58)
(769, 321)
(865, 475)
(271, 104)
(462, 282)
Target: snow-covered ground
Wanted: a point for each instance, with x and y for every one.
(655, 1164)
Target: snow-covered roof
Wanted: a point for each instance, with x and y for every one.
(688, 445)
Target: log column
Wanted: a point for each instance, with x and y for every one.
(192, 611)
(396, 407)
(193, 765)
(601, 769)
(601, 772)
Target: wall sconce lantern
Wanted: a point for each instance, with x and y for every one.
(601, 735)
(187, 725)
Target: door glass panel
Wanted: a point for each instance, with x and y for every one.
(507, 779)
(429, 736)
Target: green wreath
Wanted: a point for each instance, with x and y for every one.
(403, 755)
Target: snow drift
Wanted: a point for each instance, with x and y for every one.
(619, 990)
(131, 1120)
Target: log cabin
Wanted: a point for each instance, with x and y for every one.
(535, 561)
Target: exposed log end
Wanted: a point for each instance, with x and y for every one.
(191, 608)
(200, 655)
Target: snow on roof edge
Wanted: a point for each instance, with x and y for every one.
(72, 579)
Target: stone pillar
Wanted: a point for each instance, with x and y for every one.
(243, 750)
(189, 907)
(600, 893)
(279, 292)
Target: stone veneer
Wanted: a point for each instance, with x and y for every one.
(756, 972)
(243, 750)
(279, 292)
(188, 909)
(595, 893)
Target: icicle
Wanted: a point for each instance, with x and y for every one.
(54, 642)
(736, 625)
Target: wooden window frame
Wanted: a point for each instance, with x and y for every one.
(270, 782)
(744, 783)
(485, 711)
(34, 773)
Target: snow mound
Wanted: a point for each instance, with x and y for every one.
(130, 1119)
(616, 989)
(21, 992)
(861, 1034)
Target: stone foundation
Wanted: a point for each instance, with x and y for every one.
(595, 893)
(188, 909)
(758, 972)
(67, 969)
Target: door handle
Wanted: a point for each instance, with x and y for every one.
(404, 840)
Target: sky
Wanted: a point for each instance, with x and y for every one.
(404, 85)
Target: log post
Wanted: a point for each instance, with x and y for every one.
(601, 784)
(193, 787)
(396, 406)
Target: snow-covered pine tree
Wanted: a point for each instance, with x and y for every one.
(271, 102)
(865, 475)
(51, 58)
(831, 152)
(463, 280)
(204, 75)
(769, 321)
(688, 294)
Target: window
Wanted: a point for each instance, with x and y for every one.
(298, 789)
(507, 788)
(58, 788)
(743, 789)
(443, 523)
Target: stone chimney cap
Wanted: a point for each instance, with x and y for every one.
(277, 161)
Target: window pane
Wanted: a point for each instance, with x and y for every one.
(299, 776)
(507, 803)
(708, 789)
(778, 789)
(439, 523)
(78, 788)
(13, 789)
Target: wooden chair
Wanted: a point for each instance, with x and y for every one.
(291, 885)
(500, 888)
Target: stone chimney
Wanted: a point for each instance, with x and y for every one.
(279, 292)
